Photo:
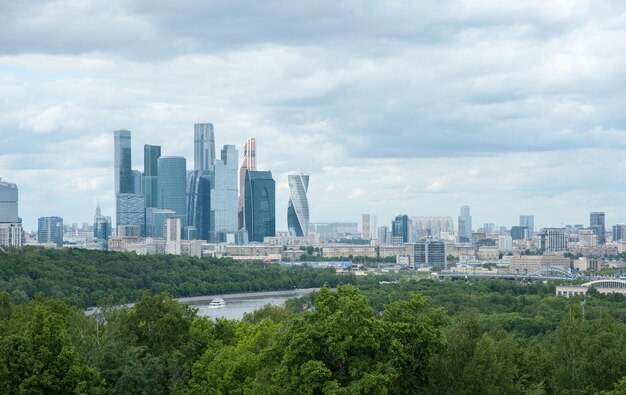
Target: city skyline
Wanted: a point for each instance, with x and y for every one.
(508, 107)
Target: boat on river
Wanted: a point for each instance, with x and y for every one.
(217, 303)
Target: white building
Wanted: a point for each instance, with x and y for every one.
(172, 236)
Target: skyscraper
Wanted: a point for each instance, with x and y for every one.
(596, 221)
(171, 193)
(529, 222)
(619, 232)
(248, 163)
(203, 147)
(131, 211)
(430, 252)
(123, 171)
(553, 240)
(199, 202)
(149, 186)
(260, 202)
(298, 207)
(102, 226)
(50, 230)
(224, 195)
(400, 229)
(10, 223)
(465, 225)
(365, 227)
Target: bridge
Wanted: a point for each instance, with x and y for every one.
(543, 273)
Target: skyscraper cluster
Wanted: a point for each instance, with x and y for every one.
(207, 201)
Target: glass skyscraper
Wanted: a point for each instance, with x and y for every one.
(298, 207)
(224, 195)
(596, 222)
(248, 163)
(400, 229)
(8, 202)
(199, 203)
(171, 185)
(465, 225)
(123, 171)
(151, 155)
(50, 230)
(260, 202)
(131, 210)
(203, 146)
(529, 222)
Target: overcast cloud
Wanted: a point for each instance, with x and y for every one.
(393, 107)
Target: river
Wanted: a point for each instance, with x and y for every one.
(239, 304)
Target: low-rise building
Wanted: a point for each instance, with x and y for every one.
(346, 250)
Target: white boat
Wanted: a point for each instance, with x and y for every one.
(217, 303)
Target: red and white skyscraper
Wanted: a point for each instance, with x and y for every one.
(248, 163)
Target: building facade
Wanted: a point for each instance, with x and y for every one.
(131, 210)
(400, 229)
(596, 221)
(122, 162)
(149, 180)
(529, 222)
(248, 163)
(365, 227)
(224, 199)
(465, 225)
(171, 188)
(199, 202)
(430, 252)
(619, 232)
(298, 206)
(259, 204)
(50, 231)
(553, 240)
(203, 147)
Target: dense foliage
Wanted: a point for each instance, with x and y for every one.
(87, 278)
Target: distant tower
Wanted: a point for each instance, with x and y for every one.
(248, 163)
(224, 194)
(529, 222)
(465, 225)
(123, 171)
(298, 208)
(365, 227)
(151, 155)
(596, 222)
(171, 185)
(260, 205)
(50, 230)
(10, 223)
(204, 146)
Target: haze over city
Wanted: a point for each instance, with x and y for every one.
(511, 108)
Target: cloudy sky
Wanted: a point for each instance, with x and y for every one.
(415, 107)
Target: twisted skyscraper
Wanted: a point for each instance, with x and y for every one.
(298, 209)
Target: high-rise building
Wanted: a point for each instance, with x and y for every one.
(373, 226)
(553, 240)
(102, 227)
(199, 203)
(149, 182)
(137, 181)
(505, 243)
(260, 202)
(519, 233)
(248, 163)
(204, 146)
(529, 222)
(430, 252)
(131, 210)
(171, 184)
(155, 220)
(400, 229)
(384, 238)
(123, 171)
(619, 232)
(421, 227)
(587, 237)
(50, 231)
(224, 195)
(10, 223)
(172, 234)
(298, 207)
(596, 221)
(465, 225)
(365, 227)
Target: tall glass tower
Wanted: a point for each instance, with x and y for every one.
(260, 202)
(465, 225)
(151, 155)
(123, 171)
(596, 222)
(203, 146)
(8, 202)
(171, 185)
(224, 194)
(298, 207)
(248, 163)
(529, 222)
(199, 202)
(50, 230)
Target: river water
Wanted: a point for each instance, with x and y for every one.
(239, 304)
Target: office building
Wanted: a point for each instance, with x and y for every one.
(619, 232)
(465, 225)
(137, 181)
(8, 202)
(587, 237)
(384, 237)
(421, 227)
(155, 221)
(172, 232)
(553, 240)
(259, 204)
(149, 181)
(171, 186)
(298, 206)
(529, 222)
(130, 210)
(102, 228)
(525, 264)
(224, 195)
(203, 147)
(365, 227)
(199, 204)
(520, 233)
(248, 163)
(505, 243)
(124, 182)
(50, 231)
(11, 234)
(430, 252)
(596, 221)
(400, 229)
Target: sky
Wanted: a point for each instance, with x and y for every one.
(393, 107)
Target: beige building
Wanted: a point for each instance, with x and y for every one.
(603, 286)
(346, 250)
(489, 253)
(398, 250)
(532, 263)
